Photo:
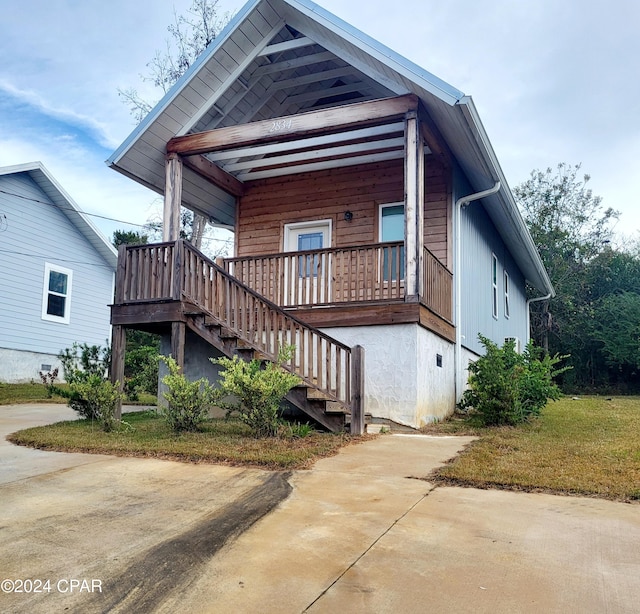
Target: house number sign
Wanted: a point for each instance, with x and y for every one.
(281, 125)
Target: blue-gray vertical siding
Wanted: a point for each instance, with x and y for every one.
(479, 240)
(36, 233)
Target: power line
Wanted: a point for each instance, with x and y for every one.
(43, 202)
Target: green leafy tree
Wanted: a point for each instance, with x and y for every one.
(570, 227)
(129, 237)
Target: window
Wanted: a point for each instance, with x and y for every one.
(56, 296)
(506, 294)
(392, 229)
(494, 285)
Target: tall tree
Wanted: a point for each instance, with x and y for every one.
(190, 34)
(570, 226)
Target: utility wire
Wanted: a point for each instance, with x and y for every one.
(8, 251)
(43, 202)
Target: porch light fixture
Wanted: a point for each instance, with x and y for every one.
(348, 216)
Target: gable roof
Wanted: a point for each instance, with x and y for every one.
(282, 57)
(45, 181)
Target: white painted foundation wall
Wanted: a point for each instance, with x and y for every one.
(403, 381)
(19, 366)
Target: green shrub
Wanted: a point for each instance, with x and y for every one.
(188, 402)
(506, 387)
(82, 360)
(95, 398)
(141, 371)
(259, 390)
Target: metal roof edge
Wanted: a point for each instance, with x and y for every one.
(373, 47)
(178, 86)
(84, 225)
(505, 195)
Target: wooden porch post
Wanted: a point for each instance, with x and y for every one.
(172, 198)
(357, 390)
(118, 345)
(414, 206)
(178, 330)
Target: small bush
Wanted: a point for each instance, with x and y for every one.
(141, 371)
(188, 402)
(508, 388)
(95, 398)
(259, 390)
(81, 360)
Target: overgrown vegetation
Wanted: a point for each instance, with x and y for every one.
(258, 389)
(587, 446)
(594, 316)
(506, 387)
(188, 403)
(216, 441)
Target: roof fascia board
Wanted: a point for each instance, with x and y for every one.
(505, 196)
(179, 85)
(400, 64)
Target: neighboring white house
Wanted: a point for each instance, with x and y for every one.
(56, 274)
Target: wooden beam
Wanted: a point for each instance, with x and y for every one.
(178, 332)
(296, 43)
(294, 126)
(118, 348)
(172, 198)
(357, 390)
(414, 205)
(433, 138)
(213, 173)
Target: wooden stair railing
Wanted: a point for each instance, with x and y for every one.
(178, 271)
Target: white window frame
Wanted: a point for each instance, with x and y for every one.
(291, 232)
(494, 286)
(381, 207)
(48, 269)
(507, 286)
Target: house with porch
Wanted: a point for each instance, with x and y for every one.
(374, 229)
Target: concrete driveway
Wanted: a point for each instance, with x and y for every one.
(357, 533)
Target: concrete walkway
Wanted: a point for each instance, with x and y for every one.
(357, 533)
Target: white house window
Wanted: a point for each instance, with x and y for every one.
(494, 285)
(56, 295)
(507, 311)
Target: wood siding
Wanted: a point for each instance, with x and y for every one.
(38, 232)
(269, 204)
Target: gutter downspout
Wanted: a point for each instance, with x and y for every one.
(529, 301)
(462, 202)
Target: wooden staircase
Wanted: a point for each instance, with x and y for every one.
(236, 320)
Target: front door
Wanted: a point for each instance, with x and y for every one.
(307, 276)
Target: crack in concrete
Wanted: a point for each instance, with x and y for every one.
(166, 568)
(368, 549)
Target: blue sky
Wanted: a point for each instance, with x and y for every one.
(553, 82)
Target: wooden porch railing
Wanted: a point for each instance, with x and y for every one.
(177, 271)
(343, 275)
(437, 286)
(325, 276)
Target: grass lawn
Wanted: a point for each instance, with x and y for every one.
(586, 447)
(11, 394)
(219, 441)
(26, 393)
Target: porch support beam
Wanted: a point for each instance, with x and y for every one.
(213, 173)
(172, 198)
(295, 126)
(118, 347)
(178, 333)
(414, 206)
